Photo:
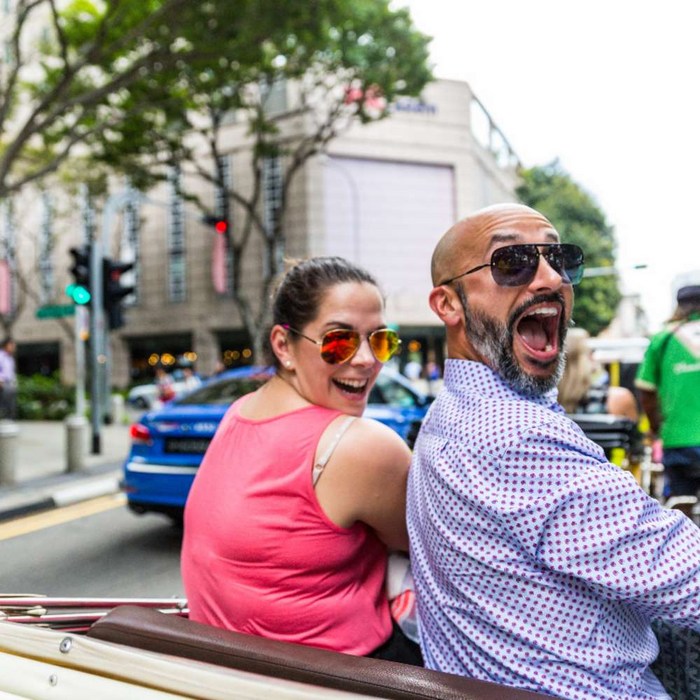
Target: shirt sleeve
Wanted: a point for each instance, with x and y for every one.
(648, 372)
(602, 529)
(5, 373)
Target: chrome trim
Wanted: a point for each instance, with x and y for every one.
(159, 469)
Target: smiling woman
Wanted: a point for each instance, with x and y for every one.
(298, 498)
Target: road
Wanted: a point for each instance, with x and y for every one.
(96, 548)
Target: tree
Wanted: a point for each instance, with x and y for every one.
(347, 62)
(578, 219)
(70, 71)
(62, 74)
(76, 75)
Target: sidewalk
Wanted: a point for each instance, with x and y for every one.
(40, 458)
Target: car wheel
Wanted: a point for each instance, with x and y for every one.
(177, 520)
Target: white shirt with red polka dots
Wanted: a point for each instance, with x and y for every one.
(537, 563)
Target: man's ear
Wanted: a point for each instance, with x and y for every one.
(445, 304)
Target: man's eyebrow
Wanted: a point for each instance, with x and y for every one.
(503, 237)
(509, 237)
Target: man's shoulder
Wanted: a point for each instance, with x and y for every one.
(495, 421)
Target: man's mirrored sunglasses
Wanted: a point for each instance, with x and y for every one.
(516, 265)
(341, 344)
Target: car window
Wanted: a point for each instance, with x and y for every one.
(391, 392)
(223, 392)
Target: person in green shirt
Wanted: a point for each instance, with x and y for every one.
(668, 381)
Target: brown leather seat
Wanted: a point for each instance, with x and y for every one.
(152, 630)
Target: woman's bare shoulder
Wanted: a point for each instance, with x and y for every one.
(621, 402)
(375, 433)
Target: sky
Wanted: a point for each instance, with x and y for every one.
(608, 87)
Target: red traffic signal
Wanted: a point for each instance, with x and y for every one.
(113, 291)
(219, 223)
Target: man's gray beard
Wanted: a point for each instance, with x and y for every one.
(494, 342)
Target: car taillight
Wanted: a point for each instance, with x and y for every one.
(140, 434)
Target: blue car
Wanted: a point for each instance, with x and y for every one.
(167, 445)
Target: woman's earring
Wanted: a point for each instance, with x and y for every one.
(288, 364)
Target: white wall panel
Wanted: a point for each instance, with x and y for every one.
(388, 216)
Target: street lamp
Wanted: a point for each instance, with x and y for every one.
(608, 270)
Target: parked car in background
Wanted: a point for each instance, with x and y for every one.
(145, 396)
(168, 444)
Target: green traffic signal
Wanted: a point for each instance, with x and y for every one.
(79, 294)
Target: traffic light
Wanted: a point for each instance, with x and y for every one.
(79, 289)
(219, 223)
(113, 292)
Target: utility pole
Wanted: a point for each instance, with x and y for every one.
(97, 353)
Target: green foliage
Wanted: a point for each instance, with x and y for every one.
(329, 45)
(144, 84)
(578, 219)
(348, 62)
(75, 82)
(44, 398)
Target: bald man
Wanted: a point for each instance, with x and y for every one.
(537, 563)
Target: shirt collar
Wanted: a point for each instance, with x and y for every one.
(480, 378)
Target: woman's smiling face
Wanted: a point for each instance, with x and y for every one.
(345, 387)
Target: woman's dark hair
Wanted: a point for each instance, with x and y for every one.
(299, 294)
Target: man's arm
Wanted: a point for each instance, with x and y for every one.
(4, 368)
(650, 405)
(592, 521)
(628, 547)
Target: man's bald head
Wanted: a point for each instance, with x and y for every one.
(461, 238)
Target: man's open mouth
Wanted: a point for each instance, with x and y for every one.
(538, 330)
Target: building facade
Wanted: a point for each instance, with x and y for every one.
(382, 196)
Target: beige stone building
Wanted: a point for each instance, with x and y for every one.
(382, 197)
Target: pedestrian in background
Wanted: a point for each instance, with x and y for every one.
(413, 369)
(537, 563)
(578, 390)
(8, 380)
(668, 381)
(190, 380)
(164, 385)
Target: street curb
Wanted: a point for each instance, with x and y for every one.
(90, 487)
(27, 509)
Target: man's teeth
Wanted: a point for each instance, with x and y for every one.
(548, 347)
(544, 311)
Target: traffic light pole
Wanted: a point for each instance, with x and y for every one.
(99, 332)
(97, 354)
(80, 319)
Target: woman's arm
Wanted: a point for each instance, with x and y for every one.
(365, 480)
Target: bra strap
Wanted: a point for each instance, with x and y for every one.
(320, 465)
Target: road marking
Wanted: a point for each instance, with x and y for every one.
(51, 518)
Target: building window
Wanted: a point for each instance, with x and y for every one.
(129, 251)
(225, 211)
(274, 97)
(272, 196)
(177, 287)
(45, 247)
(8, 281)
(490, 137)
(87, 213)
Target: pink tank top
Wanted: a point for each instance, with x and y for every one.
(259, 554)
